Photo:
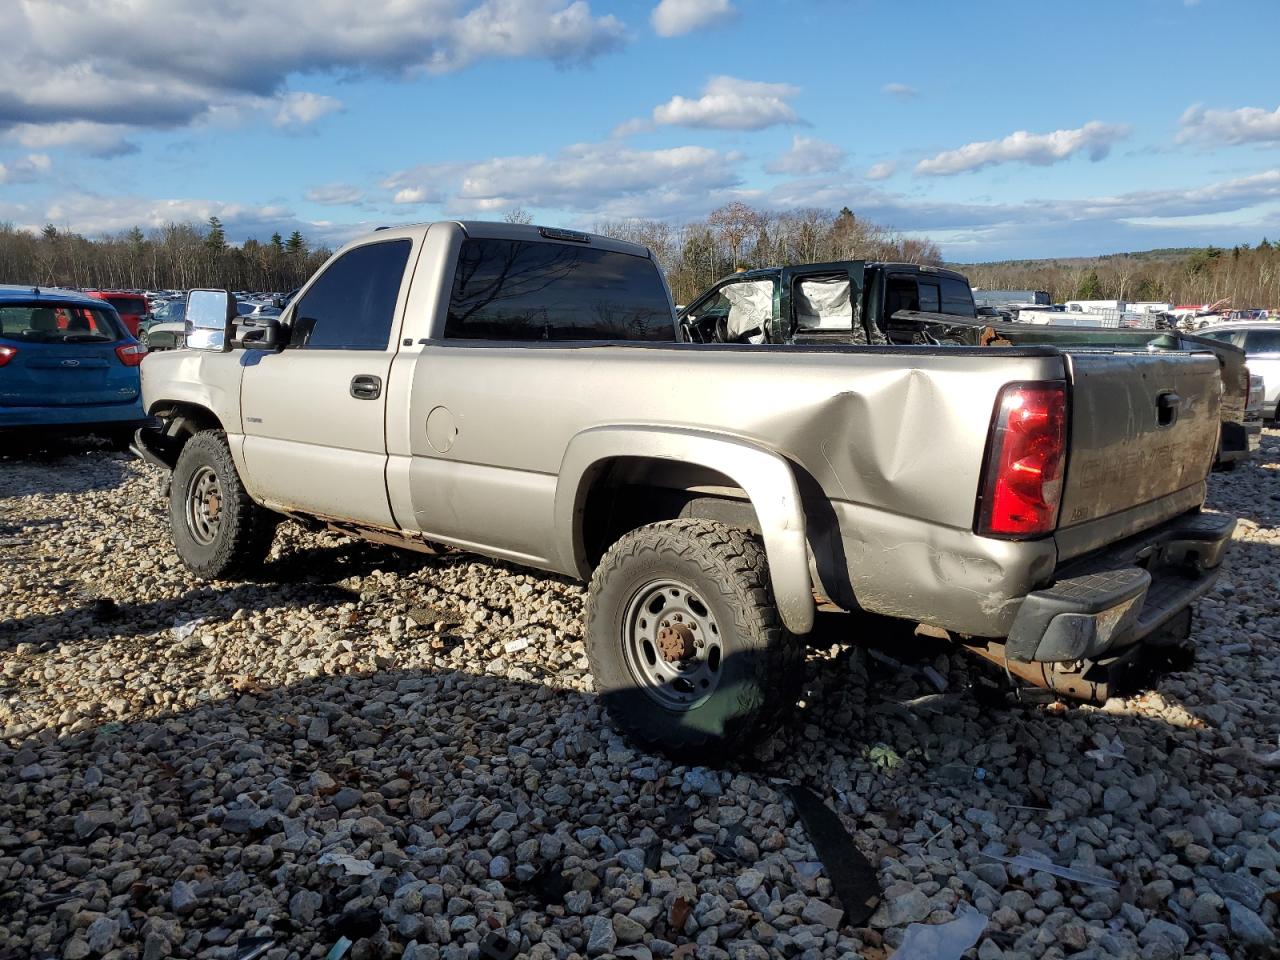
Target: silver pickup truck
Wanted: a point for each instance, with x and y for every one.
(519, 392)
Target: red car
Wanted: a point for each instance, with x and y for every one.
(132, 307)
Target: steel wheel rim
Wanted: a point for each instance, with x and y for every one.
(682, 683)
(204, 505)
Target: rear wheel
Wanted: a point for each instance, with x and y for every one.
(684, 641)
(217, 529)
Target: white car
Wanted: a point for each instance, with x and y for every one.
(1260, 340)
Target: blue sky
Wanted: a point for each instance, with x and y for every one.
(1000, 129)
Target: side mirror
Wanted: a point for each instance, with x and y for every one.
(262, 335)
(210, 320)
(278, 302)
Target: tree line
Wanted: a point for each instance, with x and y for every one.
(693, 255)
(1248, 275)
(737, 236)
(176, 256)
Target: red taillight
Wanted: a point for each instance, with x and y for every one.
(131, 354)
(1022, 487)
(7, 354)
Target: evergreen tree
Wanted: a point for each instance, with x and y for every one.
(296, 245)
(216, 240)
(276, 241)
(1090, 287)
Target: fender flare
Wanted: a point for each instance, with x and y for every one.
(766, 477)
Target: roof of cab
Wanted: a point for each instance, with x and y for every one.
(13, 293)
(495, 230)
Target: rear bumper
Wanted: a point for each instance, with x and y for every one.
(1103, 603)
(113, 415)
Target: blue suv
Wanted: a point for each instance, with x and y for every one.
(67, 363)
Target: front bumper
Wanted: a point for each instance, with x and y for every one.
(1103, 603)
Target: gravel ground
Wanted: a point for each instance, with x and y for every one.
(405, 751)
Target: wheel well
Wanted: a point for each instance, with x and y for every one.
(182, 421)
(625, 493)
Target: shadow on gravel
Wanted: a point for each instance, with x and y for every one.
(65, 455)
(108, 618)
(279, 812)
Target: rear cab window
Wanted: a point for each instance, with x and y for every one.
(957, 298)
(58, 323)
(1262, 341)
(518, 290)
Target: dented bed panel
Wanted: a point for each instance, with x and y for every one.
(902, 567)
(903, 430)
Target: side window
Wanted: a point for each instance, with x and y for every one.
(902, 295)
(1262, 341)
(930, 299)
(350, 306)
(750, 309)
(957, 299)
(824, 303)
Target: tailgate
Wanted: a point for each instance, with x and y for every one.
(1143, 426)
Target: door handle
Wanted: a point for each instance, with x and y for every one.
(366, 387)
(1167, 407)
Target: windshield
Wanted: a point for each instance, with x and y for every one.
(53, 323)
(172, 311)
(242, 307)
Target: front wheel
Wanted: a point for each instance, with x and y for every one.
(684, 640)
(217, 529)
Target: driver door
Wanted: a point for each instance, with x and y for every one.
(314, 414)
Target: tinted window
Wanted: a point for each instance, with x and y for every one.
(957, 300)
(518, 290)
(350, 306)
(930, 301)
(1262, 341)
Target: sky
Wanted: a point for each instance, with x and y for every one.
(998, 128)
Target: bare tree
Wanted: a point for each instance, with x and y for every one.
(734, 222)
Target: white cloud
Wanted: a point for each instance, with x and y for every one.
(300, 109)
(880, 171)
(728, 103)
(25, 170)
(607, 179)
(186, 58)
(335, 194)
(414, 195)
(900, 90)
(1038, 149)
(671, 18)
(807, 156)
(1246, 125)
(98, 139)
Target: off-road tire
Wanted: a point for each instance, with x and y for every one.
(245, 530)
(762, 664)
